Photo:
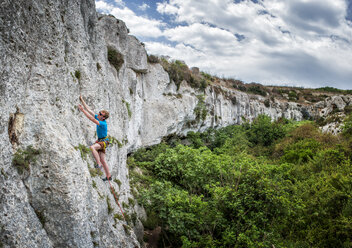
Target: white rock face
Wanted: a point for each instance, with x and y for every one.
(44, 46)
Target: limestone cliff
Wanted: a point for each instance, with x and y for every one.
(53, 51)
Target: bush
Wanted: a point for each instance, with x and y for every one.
(347, 126)
(224, 197)
(179, 71)
(84, 150)
(263, 132)
(267, 103)
(23, 158)
(200, 110)
(98, 66)
(305, 114)
(115, 58)
(153, 59)
(348, 109)
(78, 74)
(195, 139)
(256, 89)
(151, 153)
(293, 96)
(301, 151)
(242, 88)
(207, 76)
(234, 100)
(307, 130)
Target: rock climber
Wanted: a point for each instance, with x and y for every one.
(98, 149)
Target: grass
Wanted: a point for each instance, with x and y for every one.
(127, 229)
(83, 150)
(114, 141)
(98, 66)
(23, 158)
(94, 184)
(110, 208)
(128, 106)
(94, 172)
(118, 216)
(131, 202)
(78, 74)
(40, 216)
(118, 182)
(125, 205)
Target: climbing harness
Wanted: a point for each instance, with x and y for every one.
(104, 142)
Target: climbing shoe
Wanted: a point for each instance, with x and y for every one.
(107, 179)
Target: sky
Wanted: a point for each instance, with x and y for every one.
(304, 43)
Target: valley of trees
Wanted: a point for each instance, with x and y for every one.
(260, 184)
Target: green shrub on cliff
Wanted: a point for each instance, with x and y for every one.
(200, 110)
(23, 158)
(115, 58)
(153, 59)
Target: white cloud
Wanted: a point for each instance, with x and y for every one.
(103, 6)
(144, 7)
(304, 42)
(272, 28)
(120, 3)
(138, 25)
(204, 38)
(308, 19)
(265, 21)
(165, 8)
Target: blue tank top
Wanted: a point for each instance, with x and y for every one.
(102, 128)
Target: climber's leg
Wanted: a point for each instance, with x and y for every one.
(94, 148)
(105, 165)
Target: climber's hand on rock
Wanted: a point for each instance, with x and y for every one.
(80, 98)
(80, 107)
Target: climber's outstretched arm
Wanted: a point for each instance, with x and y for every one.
(86, 106)
(89, 116)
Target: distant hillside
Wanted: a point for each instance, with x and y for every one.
(179, 71)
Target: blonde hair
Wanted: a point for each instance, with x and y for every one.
(106, 114)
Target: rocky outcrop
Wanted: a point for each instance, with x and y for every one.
(53, 51)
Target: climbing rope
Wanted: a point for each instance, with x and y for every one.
(117, 201)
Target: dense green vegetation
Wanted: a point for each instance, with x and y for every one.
(115, 58)
(264, 184)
